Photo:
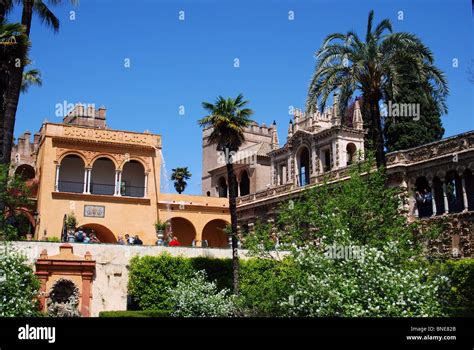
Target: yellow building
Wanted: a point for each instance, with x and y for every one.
(110, 180)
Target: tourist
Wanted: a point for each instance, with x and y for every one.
(94, 238)
(137, 240)
(419, 198)
(71, 238)
(120, 240)
(128, 239)
(86, 238)
(428, 196)
(174, 242)
(80, 235)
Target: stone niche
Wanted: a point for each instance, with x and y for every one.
(66, 267)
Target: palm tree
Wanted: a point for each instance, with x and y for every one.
(14, 47)
(179, 176)
(228, 118)
(16, 72)
(373, 67)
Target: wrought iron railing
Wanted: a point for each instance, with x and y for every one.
(70, 186)
(106, 189)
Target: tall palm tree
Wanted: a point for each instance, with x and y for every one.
(228, 118)
(14, 46)
(179, 176)
(16, 74)
(373, 67)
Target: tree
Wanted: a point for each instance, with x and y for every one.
(16, 71)
(15, 197)
(19, 287)
(354, 252)
(373, 67)
(402, 132)
(179, 176)
(228, 118)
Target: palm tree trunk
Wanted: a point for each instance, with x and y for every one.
(13, 92)
(233, 222)
(377, 133)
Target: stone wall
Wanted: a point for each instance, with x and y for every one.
(109, 286)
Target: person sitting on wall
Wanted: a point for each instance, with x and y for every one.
(71, 238)
(128, 239)
(120, 240)
(94, 238)
(87, 238)
(80, 235)
(137, 240)
(174, 242)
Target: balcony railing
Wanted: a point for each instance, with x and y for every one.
(70, 186)
(100, 188)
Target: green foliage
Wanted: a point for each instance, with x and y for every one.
(265, 282)
(179, 176)
(197, 297)
(150, 277)
(19, 286)
(217, 270)
(459, 296)
(15, 198)
(71, 220)
(161, 225)
(138, 313)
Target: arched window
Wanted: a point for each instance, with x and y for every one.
(244, 183)
(103, 177)
(133, 179)
(454, 192)
(423, 197)
(303, 167)
(71, 174)
(351, 150)
(25, 171)
(222, 187)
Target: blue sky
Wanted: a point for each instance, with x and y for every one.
(177, 63)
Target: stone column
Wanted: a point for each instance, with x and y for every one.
(445, 198)
(464, 194)
(56, 184)
(145, 187)
(86, 175)
(89, 175)
(119, 185)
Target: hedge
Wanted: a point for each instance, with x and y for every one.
(264, 282)
(138, 313)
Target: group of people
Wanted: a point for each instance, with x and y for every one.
(424, 200)
(81, 236)
(129, 240)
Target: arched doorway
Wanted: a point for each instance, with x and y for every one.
(133, 179)
(213, 233)
(222, 188)
(244, 183)
(438, 197)
(454, 192)
(71, 174)
(183, 230)
(103, 177)
(103, 233)
(351, 150)
(25, 172)
(303, 167)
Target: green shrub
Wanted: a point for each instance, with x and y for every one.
(264, 282)
(19, 286)
(197, 297)
(217, 270)
(150, 277)
(460, 295)
(138, 313)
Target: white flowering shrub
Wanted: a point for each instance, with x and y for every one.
(197, 297)
(18, 285)
(373, 286)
